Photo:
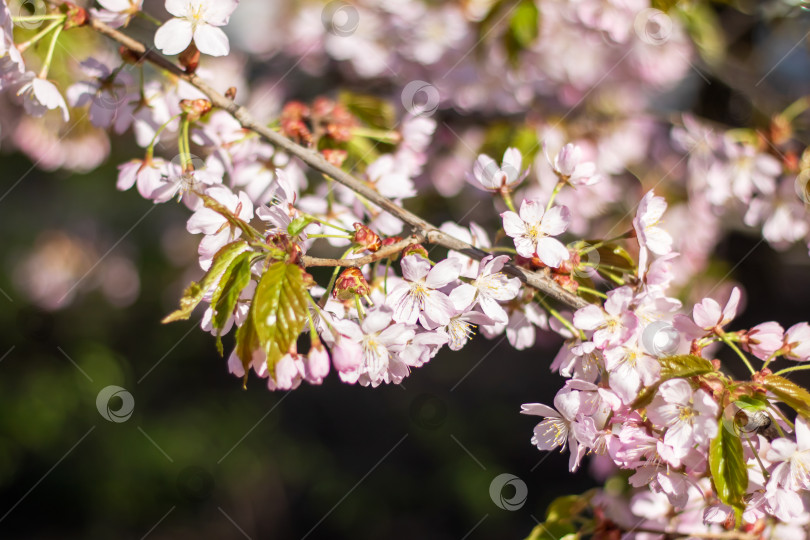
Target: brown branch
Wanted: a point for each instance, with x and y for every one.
(382, 253)
(430, 233)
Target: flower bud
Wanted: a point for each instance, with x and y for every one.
(350, 282)
(195, 108)
(76, 16)
(415, 249)
(366, 238)
(316, 364)
(391, 240)
(334, 156)
(190, 58)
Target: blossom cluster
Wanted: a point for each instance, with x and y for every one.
(644, 390)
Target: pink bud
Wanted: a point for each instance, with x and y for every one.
(316, 366)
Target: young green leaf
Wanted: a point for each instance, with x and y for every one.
(279, 310)
(247, 341)
(795, 396)
(684, 365)
(194, 293)
(226, 295)
(727, 465)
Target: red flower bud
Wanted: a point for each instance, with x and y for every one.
(195, 108)
(366, 238)
(415, 249)
(350, 282)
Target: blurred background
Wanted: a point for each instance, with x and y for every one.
(86, 275)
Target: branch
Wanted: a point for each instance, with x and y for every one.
(422, 228)
(382, 253)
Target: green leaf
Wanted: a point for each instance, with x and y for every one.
(727, 465)
(226, 295)
(247, 341)
(613, 255)
(279, 310)
(565, 507)
(297, 225)
(551, 531)
(684, 365)
(371, 110)
(525, 23)
(194, 293)
(680, 366)
(790, 393)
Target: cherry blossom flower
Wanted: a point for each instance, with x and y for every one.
(764, 339)
(630, 367)
(561, 424)
(650, 236)
(419, 292)
(613, 325)
(707, 316)
(380, 342)
(533, 229)
(689, 416)
(797, 342)
(792, 457)
(112, 103)
(490, 287)
(197, 20)
(146, 174)
(117, 13)
(569, 166)
(40, 95)
(489, 176)
(12, 65)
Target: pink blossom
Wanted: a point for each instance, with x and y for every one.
(797, 342)
(117, 13)
(533, 229)
(569, 166)
(316, 364)
(613, 325)
(764, 339)
(708, 316)
(650, 236)
(419, 292)
(689, 416)
(490, 287)
(793, 458)
(489, 176)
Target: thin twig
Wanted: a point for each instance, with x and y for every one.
(430, 233)
(382, 253)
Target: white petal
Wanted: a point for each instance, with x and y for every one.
(174, 36)
(552, 252)
(211, 40)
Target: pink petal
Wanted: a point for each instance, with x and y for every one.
(556, 221)
(414, 267)
(531, 211)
